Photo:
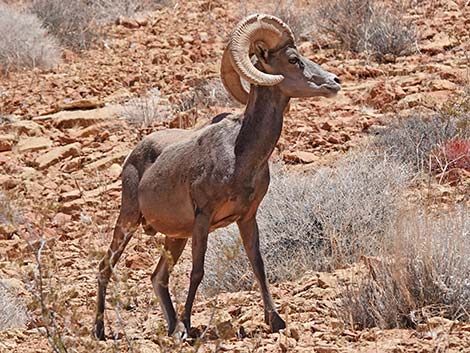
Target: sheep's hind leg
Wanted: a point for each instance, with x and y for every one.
(199, 246)
(250, 236)
(127, 223)
(160, 278)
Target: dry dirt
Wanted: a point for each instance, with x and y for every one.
(61, 165)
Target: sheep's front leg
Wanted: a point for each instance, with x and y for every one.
(199, 246)
(250, 236)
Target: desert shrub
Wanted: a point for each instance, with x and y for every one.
(111, 9)
(24, 43)
(213, 93)
(74, 22)
(144, 111)
(451, 154)
(298, 17)
(413, 139)
(313, 221)
(71, 21)
(368, 26)
(13, 312)
(424, 271)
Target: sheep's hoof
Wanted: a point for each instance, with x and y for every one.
(180, 332)
(275, 322)
(99, 330)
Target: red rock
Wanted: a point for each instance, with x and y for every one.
(80, 118)
(326, 126)
(6, 142)
(107, 161)
(335, 139)
(301, 156)
(26, 127)
(31, 144)
(127, 22)
(139, 261)
(92, 103)
(57, 154)
(141, 20)
(61, 219)
(114, 171)
(442, 85)
(438, 44)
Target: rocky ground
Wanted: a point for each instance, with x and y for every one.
(64, 136)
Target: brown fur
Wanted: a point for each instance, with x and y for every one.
(186, 183)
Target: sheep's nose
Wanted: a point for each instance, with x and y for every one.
(337, 80)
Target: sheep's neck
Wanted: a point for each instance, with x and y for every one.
(261, 128)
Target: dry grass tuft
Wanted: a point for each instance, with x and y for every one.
(71, 21)
(451, 154)
(143, 112)
(368, 26)
(109, 10)
(424, 271)
(313, 221)
(13, 312)
(74, 22)
(24, 42)
(213, 93)
(416, 140)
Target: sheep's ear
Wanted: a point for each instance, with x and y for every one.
(261, 51)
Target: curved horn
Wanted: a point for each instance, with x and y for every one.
(231, 79)
(268, 29)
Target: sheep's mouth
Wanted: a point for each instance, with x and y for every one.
(326, 89)
(333, 88)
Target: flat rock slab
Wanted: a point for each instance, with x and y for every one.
(31, 144)
(80, 118)
(57, 154)
(82, 104)
(26, 127)
(117, 157)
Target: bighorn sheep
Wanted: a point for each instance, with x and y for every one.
(187, 183)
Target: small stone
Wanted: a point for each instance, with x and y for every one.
(61, 219)
(70, 195)
(326, 126)
(141, 20)
(334, 139)
(127, 22)
(6, 231)
(114, 171)
(204, 37)
(138, 261)
(6, 142)
(301, 156)
(186, 38)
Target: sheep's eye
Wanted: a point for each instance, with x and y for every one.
(293, 60)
